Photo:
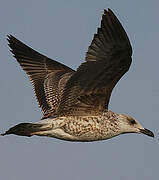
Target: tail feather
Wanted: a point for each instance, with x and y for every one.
(27, 129)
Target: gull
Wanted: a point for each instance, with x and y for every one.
(75, 103)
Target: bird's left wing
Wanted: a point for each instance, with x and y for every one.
(108, 58)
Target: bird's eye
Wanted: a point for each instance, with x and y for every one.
(132, 121)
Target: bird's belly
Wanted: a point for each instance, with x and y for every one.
(84, 137)
(69, 136)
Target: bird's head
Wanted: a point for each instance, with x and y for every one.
(127, 124)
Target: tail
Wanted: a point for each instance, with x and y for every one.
(27, 129)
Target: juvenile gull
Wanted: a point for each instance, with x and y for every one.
(75, 103)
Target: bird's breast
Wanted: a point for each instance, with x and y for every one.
(89, 128)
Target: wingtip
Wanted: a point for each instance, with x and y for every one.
(108, 11)
(9, 39)
(11, 43)
(9, 36)
(105, 11)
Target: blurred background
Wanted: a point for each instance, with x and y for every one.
(63, 30)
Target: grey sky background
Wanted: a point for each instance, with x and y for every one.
(63, 30)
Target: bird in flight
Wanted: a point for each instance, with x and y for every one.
(75, 103)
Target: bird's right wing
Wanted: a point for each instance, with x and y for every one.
(108, 58)
(47, 76)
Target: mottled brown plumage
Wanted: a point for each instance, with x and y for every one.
(47, 76)
(75, 103)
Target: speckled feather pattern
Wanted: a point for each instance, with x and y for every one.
(75, 103)
(92, 127)
(81, 128)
